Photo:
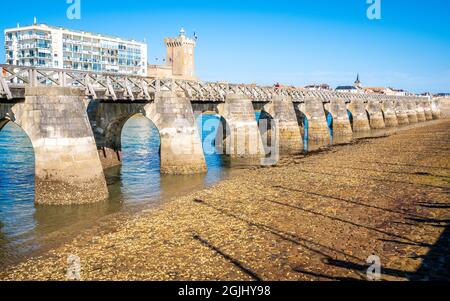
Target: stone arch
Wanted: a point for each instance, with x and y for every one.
(107, 120)
(221, 131)
(172, 115)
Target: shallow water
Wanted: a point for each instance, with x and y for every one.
(26, 229)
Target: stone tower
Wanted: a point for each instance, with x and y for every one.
(180, 56)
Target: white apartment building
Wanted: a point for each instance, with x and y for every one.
(41, 45)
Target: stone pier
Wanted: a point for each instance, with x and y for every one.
(281, 111)
(390, 117)
(67, 166)
(411, 111)
(420, 111)
(181, 147)
(318, 130)
(239, 132)
(401, 112)
(427, 110)
(341, 122)
(435, 109)
(360, 122)
(375, 114)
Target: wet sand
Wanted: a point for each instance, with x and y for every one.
(314, 217)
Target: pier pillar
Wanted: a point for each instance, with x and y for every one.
(411, 110)
(420, 111)
(341, 122)
(401, 112)
(435, 108)
(427, 109)
(181, 147)
(318, 131)
(239, 136)
(68, 170)
(375, 115)
(360, 122)
(390, 117)
(282, 112)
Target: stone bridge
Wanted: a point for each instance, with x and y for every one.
(74, 120)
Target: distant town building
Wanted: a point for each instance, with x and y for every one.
(180, 62)
(446, 95)
(318, 87)
(41, 45)
(398, 92)
(359, 88)
(348, 89)
(376, 90)
(356, 88)
(386, 91)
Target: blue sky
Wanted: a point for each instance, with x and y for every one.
(293, 42)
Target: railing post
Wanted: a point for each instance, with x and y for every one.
(62, 78)
(32, 75)
(4, 85)
(158, 86)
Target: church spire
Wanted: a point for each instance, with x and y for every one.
(357, 82)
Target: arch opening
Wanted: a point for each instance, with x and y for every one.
(17, 180)
(139, 142)
(350, 118)
(330, 121)
(209, 124)
(266, 126)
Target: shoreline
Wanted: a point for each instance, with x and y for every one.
(210, 225)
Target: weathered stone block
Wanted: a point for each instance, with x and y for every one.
(341, 123)
(239, 130)
(360, 122)
(280, 111)
(318, 130)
